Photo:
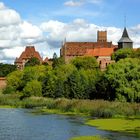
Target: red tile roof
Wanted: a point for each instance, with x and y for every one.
(28, 53)
(46, 59)
(100, 51)
(85, 48)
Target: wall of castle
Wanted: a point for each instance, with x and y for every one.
(3, 82)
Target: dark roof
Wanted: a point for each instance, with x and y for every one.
(125, 37)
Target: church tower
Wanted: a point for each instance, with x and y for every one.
(102, 36)
(125, 41)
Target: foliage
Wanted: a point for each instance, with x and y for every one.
(58, 62)
(136, 53)
(94, 108)
(5, 69)
(32, 62)
(14, 81)
(85, 63)
(33, 88)
(81, 79)
(122, 80)
(123, 53)
(17, 80)
(69, 82)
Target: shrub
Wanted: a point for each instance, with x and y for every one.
(33, 88)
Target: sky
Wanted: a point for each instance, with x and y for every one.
(47, 23)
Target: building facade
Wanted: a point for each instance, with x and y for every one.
(26, 55)
(102, 50)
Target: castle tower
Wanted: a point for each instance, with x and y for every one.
(125, 41)
(102, 36)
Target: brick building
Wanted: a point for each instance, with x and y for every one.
(26, 55)
(102, 50)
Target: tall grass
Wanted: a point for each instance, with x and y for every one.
(94, 108)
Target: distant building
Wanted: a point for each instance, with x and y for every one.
(102, 50)
(26, 55)
(125, 41)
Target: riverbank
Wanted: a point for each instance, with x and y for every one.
(121, 115)
(93, 108)
(89, 138)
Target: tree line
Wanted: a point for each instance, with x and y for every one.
(81, 79)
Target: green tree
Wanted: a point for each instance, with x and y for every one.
(17, 80)
(62, 73)
(34, 73)
(85, 63)
(14, 80)
(32, 62)
(123, 53)
(49, 85)
(33, 88)
(136, 53)
(55, 84)
(122, 80)
(58, 62)
(5, 69)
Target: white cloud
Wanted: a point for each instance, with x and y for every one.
(29, 31)
(12, 52)
(2, 6)
(8, 16)
(80, 30)
(75, 3)
(16, 33)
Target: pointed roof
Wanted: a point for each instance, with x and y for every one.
(28, 53)
(125, 37)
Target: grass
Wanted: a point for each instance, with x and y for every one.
(119, 125)
(6, 106)
(89, 138)
(93, 108)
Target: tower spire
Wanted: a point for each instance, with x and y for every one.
(125, 41)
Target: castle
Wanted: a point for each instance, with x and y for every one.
(101, 50)
(29, 52)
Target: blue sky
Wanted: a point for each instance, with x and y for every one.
(104, 12)
(46, 23)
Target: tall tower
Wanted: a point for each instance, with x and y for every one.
(125, 41)
(102, 36)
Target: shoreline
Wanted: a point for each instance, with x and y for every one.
(121, 123)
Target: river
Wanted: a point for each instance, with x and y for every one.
(21, 124)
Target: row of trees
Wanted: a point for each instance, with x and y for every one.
(80, 79)
(5, 69)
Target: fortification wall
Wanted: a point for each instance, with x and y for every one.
(3, 82)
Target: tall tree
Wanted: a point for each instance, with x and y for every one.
(5, 69)
(122, 80)
(32, 62)
(123, 53)
(85, 63)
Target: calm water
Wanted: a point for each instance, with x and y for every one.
(19, 124)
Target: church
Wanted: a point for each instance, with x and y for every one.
(101, 50)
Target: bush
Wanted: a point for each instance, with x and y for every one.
(33, 88)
